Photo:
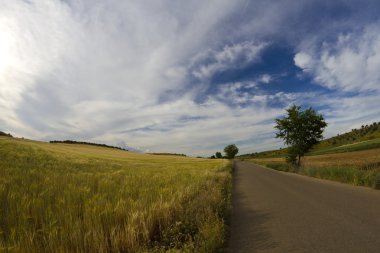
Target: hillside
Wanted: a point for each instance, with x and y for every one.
(365, 133)
(88, 143)
(5, 134)
(366, 137)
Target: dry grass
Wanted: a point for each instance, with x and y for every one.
(367, 159)
(358, 168)
(357, 160)
(79, 198)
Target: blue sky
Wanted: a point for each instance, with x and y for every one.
(185, 76)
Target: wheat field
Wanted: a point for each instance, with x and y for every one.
(79, 198)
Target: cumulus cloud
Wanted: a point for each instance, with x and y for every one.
(303, 60)
(350, 63)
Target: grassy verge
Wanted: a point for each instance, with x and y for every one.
(65, 198)
(357, 168)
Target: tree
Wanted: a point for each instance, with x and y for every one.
(231, 151)
(300, 130)
(218, 155)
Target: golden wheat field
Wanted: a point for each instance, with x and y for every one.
(79, 198)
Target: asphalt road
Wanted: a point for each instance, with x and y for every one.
(283, 212)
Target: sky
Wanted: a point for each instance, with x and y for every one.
(185, 76)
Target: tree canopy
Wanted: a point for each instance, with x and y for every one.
(300, 130)
(231, 150)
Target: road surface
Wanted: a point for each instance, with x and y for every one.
(283, 212)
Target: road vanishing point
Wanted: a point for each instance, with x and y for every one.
(283, 212)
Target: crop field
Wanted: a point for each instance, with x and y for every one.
(358, 167)
(80, 198)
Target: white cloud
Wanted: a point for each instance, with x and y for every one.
(265, 78)
(230, 57)
(351, 63)
(303, 61)
(248, 93)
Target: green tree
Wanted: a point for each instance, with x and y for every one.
(218, 155)
(300, 130)
(231, 150)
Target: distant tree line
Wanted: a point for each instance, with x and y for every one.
(88, 143)
(175, 154)
(5, 134)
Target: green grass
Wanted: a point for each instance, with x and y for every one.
(80, 198)
(364, 145)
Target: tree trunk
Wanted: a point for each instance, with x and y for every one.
(299, 161)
